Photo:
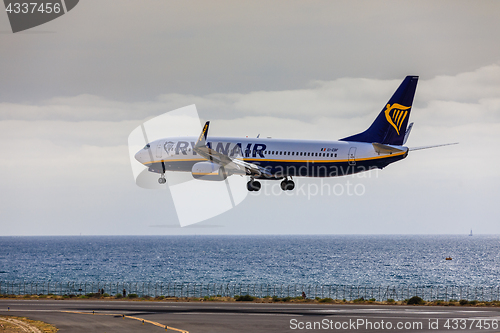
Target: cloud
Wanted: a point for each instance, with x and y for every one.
(471, 95)
(67, 154)
(139, 50)
(468, 87)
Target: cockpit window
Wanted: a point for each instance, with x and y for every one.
(147, 146)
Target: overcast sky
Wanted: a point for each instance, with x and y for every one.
(73, 89)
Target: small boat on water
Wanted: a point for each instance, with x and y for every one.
(449, 258)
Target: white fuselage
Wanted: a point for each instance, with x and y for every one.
(283, 157)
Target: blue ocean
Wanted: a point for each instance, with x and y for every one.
(395, 260)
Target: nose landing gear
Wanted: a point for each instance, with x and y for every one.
(162, 179)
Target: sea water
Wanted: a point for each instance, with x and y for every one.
(395, 260)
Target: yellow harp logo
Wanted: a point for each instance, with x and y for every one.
(396, 114)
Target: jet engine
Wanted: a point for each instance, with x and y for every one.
(208, 171)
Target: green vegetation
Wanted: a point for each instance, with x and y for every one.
(209, 298)
(246, 298)
(326, 300)
(415, 300)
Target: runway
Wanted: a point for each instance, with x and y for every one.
(76, 316)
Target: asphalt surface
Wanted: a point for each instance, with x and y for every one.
(250, 317)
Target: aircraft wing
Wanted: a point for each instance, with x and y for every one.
(230, 164)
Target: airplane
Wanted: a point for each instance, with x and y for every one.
(216, 158)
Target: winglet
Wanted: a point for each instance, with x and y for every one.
(203, 136)
(407, 134)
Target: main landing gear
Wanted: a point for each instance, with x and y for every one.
(287, 185)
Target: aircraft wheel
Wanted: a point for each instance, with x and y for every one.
(162, 180)
(287, 185)
(253, 185)
(256, 186)
(250, 186)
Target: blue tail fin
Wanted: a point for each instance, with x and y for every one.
(390, 126)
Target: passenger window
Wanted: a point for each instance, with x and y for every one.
(335, 155)
(281, 153)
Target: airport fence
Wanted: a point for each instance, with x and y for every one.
(177, 289)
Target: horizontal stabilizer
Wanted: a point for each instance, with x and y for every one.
(434, 146)
(385, 149)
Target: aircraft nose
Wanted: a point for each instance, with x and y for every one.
(138, 156)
